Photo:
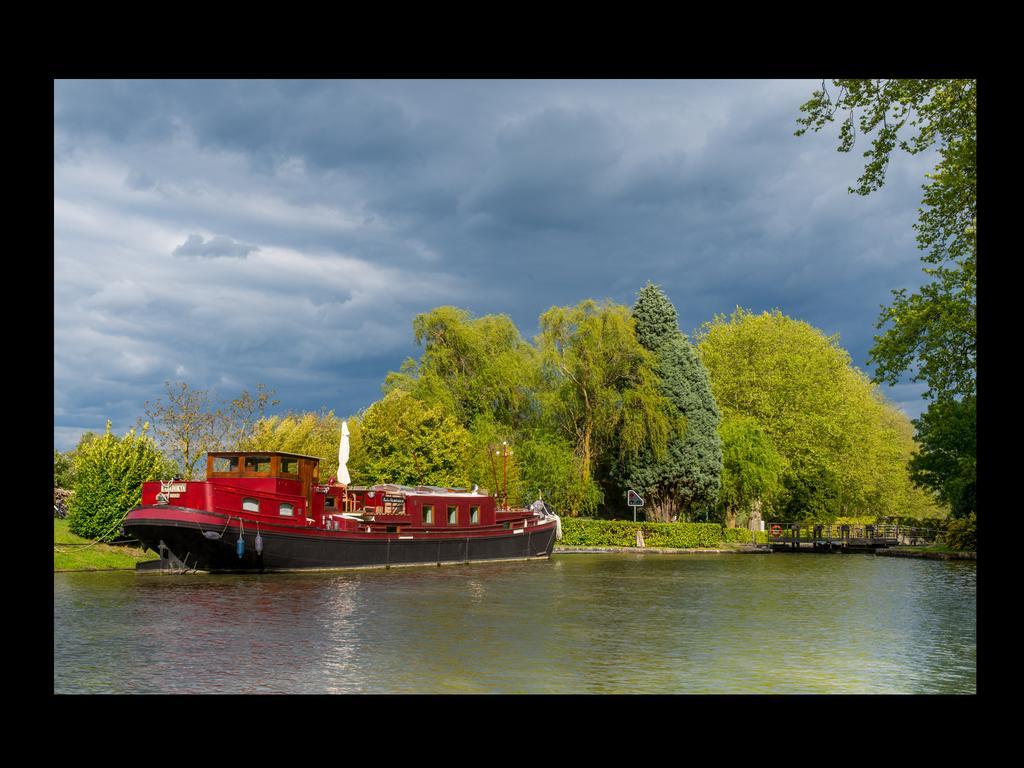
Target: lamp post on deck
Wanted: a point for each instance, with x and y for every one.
(505, 452)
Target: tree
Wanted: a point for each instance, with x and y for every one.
(547, 466)
(470, 367)
(110, 472)
(932, 333)
(187, 425)
(481, 373)
(600, 385)
(243, 413)
(402, 440)
(887, 437)
(688, 477)
(192, 422)
(751, 467)
(947, 461)
(64, 469)
(824, 417)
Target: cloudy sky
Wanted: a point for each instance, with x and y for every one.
(229, 233)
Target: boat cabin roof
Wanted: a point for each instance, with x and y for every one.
(392, 489)
(263, 453)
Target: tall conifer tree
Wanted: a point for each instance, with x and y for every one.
(688, 478)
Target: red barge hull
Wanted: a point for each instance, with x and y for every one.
(184, 539)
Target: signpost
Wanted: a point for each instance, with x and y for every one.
(633, 499)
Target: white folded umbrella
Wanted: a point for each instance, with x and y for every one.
(343, 476)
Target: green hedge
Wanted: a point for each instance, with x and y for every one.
(585, 532)
(743, 536)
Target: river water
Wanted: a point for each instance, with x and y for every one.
(577, 623)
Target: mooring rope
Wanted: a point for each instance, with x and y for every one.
(97, 541)
(221, 534)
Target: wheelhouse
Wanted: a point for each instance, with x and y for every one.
(235, 464)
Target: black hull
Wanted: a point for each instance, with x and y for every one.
(186, 547)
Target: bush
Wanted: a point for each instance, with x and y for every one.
(962, 534)
(585, 532)
(744, 536)
(63, 470)
(108, 483)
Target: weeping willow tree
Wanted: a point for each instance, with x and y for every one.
(487, 378)
(470, 367)
(600, 386)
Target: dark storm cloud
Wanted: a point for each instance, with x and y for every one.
(331, 125)
(548, 172)
(216, 247)
(372, 201)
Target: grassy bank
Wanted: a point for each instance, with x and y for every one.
(73, 553)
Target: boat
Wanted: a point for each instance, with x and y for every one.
(259, 511)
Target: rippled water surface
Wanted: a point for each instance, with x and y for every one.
(574, 624)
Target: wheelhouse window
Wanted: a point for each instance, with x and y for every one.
(250, 505)
(428, 514)
(474, 515)
(286, 509)
(257, 464)
(225, 463)
(453, 515)
(289, 466)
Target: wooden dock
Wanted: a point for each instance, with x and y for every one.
(811, 537)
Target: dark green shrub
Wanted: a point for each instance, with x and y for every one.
(109, 475)
(962, 533)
